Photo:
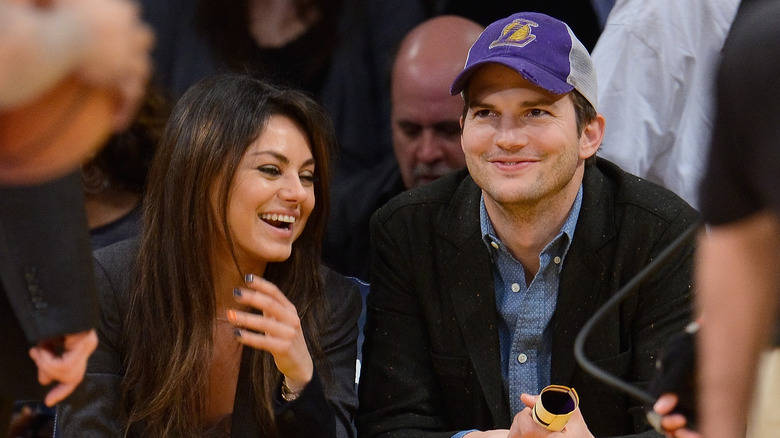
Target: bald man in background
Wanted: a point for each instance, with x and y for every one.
(424, 117)
(426, 135)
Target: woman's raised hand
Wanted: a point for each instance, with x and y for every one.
(277, 329)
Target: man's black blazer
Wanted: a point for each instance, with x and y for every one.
(46, 282)
(431, 359)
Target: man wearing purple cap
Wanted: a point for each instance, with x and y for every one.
(482, 279)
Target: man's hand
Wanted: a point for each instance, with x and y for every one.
(524, 426)
(499, 433)
(68, 368)
(672, 424)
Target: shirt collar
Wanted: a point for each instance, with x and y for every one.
(494, 244)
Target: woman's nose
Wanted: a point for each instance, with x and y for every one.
(293, 190)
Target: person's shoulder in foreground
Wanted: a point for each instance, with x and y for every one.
(738, 255)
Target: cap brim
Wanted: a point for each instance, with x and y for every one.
(528, 70)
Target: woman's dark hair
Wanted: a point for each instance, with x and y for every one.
(169, 327)
(124, 161)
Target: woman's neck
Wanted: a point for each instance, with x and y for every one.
(227, 277)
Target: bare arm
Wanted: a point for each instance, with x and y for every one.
(737, 273)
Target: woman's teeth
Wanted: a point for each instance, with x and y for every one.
(278, 220)
(277, 217)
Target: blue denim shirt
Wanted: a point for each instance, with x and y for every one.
(525, 311)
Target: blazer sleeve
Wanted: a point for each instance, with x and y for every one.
(93, 410)
(333, 387)
(647, 320)
(399, 393)
(638, 221)
(657, 311)
(45, 262)
(663, 307)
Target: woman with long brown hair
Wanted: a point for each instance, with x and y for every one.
(221, 321)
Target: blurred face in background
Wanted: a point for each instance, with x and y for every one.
(425, 117)
(426, 131)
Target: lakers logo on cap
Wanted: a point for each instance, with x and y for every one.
(517, 33)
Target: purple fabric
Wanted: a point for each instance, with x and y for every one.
(542, 49)
(535, 45)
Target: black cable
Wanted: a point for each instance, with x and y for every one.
(631, 286)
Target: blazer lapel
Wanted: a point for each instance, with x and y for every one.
(581, 291)
(473, 297)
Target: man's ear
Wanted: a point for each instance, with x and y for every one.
(460, 120)
(591, 137)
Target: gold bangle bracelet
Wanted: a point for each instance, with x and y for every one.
(288, 394)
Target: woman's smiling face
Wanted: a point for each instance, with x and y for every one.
(272, 194)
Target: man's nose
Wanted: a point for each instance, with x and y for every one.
(429, 147)
(511, 134)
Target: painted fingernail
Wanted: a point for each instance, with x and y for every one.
(249, 277)
(231, 315)
(237, 332)
(237, 292)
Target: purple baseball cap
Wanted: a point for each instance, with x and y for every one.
(542, 49)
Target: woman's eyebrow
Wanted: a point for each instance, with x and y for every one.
(282, 158)
(274, 154)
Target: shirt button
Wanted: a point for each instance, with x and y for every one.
(494, 245)
(515, 287)
(522, 358)
(557, 260)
